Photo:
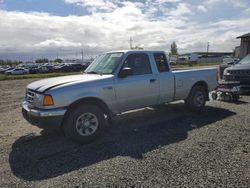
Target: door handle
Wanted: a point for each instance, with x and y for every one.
(152, 80)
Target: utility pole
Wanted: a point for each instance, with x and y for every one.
(207, 47)
(82, 54)
(130, 43)
(207, 50)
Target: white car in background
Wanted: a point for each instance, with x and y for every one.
(228, 60)
(17, 71)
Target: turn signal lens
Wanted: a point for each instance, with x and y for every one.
(48, 100)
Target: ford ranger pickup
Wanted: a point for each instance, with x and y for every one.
(114, 82)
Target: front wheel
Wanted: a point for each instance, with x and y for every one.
(197, 98)
(84, 123)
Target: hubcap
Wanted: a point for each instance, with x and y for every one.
(199, 99)
(86, 124)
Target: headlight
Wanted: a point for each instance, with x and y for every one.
(43, 100)
(225, 72)
(38, 99)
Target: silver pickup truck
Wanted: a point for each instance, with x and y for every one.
(114, 83)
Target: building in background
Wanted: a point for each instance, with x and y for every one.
(203, 57)
(237, 52)
(244, 45)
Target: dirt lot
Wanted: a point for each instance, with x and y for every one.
(160, 147)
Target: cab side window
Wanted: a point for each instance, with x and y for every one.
(139, 63)
(161, 62)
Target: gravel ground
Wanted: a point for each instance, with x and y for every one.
(163, 147)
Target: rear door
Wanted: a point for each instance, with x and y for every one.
(140, 89)
(166, 78)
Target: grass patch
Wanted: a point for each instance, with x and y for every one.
(26, 76)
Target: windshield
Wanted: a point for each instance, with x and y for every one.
(105, 63)
(245, 60)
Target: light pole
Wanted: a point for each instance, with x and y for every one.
(207, 50)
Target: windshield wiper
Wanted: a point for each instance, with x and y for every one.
(92, 72)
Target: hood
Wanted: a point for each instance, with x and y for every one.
(46, 84)
(239, 67)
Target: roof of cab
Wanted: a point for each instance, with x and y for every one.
(146, 51)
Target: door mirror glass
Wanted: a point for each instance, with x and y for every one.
(125, 71)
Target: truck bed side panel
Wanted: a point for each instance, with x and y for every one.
(186, 79)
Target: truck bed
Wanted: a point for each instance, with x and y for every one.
(186, 78)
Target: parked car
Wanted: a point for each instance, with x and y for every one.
(46, 69)
(17, 71)
(239, 72)
(173, 60)
(63, 68)
(114, 83)
(34, 70)
(85, 66)
(228, 60)
(3, 70)
(193, 58)
(77, 67)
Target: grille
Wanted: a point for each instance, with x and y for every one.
(241, 72)
(30, 96)
(243, 76)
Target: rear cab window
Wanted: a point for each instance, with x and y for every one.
(161, 62)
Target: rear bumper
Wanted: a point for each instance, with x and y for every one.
(46, 119)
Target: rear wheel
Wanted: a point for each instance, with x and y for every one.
(84, 123)
(197, 98)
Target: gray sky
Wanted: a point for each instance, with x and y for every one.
(45, 28)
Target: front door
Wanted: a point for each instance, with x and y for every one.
(140, 89)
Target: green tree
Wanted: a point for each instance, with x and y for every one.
(174, 49)
(58, 60)
(44, 60)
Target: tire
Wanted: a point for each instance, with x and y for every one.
(84, 123)
(196, 99)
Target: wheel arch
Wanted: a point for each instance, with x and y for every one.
(89, 100)
(201, 83)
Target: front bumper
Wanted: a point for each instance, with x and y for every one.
(46, 119)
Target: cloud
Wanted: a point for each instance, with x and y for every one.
(57, 42)
(201, 8)
(95, 5)
(238, 3)
(153, 25)
(181, 10)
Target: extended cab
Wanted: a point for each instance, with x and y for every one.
(114, 83)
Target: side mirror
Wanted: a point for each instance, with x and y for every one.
(125, 71)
